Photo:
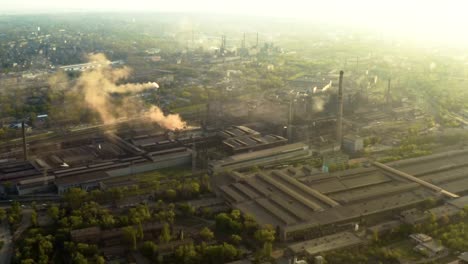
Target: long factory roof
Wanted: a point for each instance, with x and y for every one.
(277, 196)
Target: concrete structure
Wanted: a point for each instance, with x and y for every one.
(259, 158)
(430, 249)
(427, 246)
(412, 216)
(353, 144)
(463, 258)
(323, 244)
(89, 65)
(302, 203)
(384, 227)
(237, 131)
(86, 181)
(13, 171)
(96, 234)
(417, 180)
(252, 143)
(420, 238)
(36, 185)
(85, 163)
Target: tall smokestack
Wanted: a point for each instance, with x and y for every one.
(339, 120)
(257, 40)
(25, 151)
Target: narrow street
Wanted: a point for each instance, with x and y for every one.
(7, 249)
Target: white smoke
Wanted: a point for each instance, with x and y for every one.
(328, 86)
(97, 85)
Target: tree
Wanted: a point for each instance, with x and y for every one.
(375, 236)
(140, 232)
(194, 188)
(149, 249)
(53, 212)
(218, 253)
(79, 259)
(130, 235)
(74, 197)
(236, 239)
(171, 194)
(206, 234)
(205, 181)
(266, 235)
(2, 214)
(235, 214)
(230, 252)
(99, 260)
(186, 254)
(186, 209)
(225, 223)
(250, 224)
(267, 249)
(34, 218)
(165, 234)
(139, 214)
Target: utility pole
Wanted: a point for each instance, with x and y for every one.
(339, 121)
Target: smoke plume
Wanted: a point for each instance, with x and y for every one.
(318, 104)
(328, 86)
(99, 83)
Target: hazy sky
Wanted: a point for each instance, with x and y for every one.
(436, 19)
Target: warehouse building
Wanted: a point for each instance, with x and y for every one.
(259, 158)
(252, 143)
(302, 204)
(320, 245)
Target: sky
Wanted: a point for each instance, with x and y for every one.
(427, 19)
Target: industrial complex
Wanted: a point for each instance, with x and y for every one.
(294, 172)
(303, 202)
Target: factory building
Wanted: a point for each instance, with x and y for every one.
(313, 247)
(259, 158)
(86, 162)
(252, 143)
(239, 139)
(35, 185)
(353, 144)
(302, 203)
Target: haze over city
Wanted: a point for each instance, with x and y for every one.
(240, 132)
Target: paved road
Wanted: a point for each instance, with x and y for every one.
(7, 249)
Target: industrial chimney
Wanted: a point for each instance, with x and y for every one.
(25, 151)
(339, 120)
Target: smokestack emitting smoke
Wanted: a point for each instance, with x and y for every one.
(339, 120)
(98, 83)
